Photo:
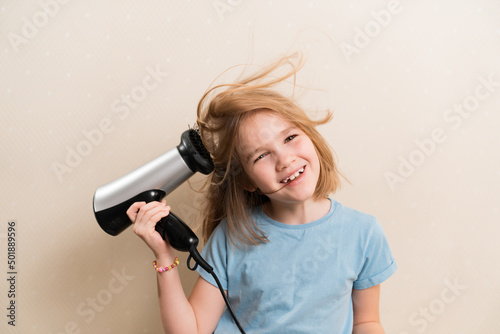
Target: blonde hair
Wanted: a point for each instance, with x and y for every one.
(219, 117)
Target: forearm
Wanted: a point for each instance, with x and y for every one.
(176, 312)
(177, 315)
(368, 328)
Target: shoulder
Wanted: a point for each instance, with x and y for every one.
(353, 216)
(219, 233)
(358, 223)
(240, 232)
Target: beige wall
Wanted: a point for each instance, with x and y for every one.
(397, 75)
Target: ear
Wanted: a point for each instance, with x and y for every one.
(249, 187)
(247, 184)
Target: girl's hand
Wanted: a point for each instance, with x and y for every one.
(145, 217)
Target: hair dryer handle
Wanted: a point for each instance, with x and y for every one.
(177, 233)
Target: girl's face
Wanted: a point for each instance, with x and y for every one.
(279, 158)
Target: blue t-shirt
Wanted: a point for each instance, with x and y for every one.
(302, 279)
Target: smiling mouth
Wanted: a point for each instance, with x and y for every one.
(293, 176)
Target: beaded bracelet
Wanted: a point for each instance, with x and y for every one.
(161, 269)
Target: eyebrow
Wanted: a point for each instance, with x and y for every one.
(261, 148)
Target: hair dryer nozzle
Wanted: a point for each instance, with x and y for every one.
(193, 152)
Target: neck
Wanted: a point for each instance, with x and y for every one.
(297, 213)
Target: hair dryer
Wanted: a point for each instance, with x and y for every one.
(152, 182)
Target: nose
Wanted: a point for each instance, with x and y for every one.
(284, 159)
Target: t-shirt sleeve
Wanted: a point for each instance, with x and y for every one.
(215, 253)
(378, 263)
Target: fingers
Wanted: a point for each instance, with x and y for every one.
(146, 216)
(137, 210)
(133, 210)
(150, 210)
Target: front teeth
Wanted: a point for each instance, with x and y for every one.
(294, 176)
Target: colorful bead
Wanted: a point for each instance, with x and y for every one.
(161, 269)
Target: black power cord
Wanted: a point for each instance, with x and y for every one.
(193, 254)
(183, 239)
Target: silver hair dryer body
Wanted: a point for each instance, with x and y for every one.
(150, 182)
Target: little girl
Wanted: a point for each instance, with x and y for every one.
(290, 258)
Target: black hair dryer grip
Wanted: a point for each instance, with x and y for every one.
(181, 238)
(177, 233)
(171, 227)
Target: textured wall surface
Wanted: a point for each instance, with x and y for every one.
(90, 90)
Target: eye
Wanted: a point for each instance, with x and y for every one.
(260, 157)
(290, 138)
